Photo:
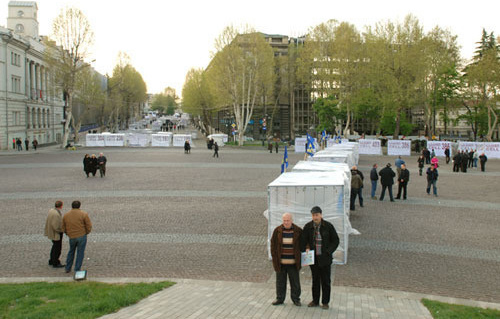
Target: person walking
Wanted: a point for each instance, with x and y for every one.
(276, 145)
(435, 161)
(187, 147)
(420, 162)
(26, 143)
(101, 162)
(432, 177)
(360, 190)
(86, 165)
(270, 146)
(387, 180)
(356, 184)
(447, 154)
(320, 235)
(19, 144)
(374, 180)
(94, 164)
(285, 252)
(464, 161)
(399, 161)
(76, 225)
(53, 230)
(457, 162)
(404, 178)
(34, 143)
(216, 150)
(475, 158)
(427, 155)
(482, 161)
(471, 157)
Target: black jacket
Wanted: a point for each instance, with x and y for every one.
(405, 175)
(373, 174)
(432, 175)
(329, 241)
(387, 176)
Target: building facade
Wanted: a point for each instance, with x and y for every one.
(30, 106)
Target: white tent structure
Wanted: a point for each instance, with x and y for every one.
(297, 192)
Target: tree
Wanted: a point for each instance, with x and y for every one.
(329, 113)
(242, 66)
(66, 50)
(89, 97)
(164, 103)
(197, 98)
(128, 91)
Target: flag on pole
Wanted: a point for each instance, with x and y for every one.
(310, 146)
(284, 163)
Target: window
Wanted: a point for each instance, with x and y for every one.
(15, 59)
(16, 84)
(16, 118)
(19, 28)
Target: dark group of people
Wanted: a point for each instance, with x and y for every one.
(468, 159)
(18, 144)
(91, 164)
(76, 225)
(212, 145)
(270, 146)
(288, 242)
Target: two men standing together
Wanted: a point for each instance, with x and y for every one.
(287, 243)
(76, 225)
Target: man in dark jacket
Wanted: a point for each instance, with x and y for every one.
(404, 178)
(482, 161)
(374, 179)
(285, 251)
(432, 177)
(356, 184)
(387, 180)
(464, 160)
(360, 189)
(320, 236)
(457, 162)
(447, 154)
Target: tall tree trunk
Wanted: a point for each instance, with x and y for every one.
(398, 123)
(69, 116)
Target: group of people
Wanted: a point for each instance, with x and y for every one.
(76, 225)
(91, 164)
(402, 175)
(270, 146)
(18, 144)
(468, 159)
(288, 242)
(211, 144)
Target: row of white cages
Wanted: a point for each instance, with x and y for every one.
(309, 184)
(347, 153)
(162, 139)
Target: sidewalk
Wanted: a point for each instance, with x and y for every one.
(190, 298)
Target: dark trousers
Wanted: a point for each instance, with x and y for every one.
(354, 193)
(456, 167)
(292, 273)
(216, 153)
(447, 159)
(55, 252)
(321, 282)
(402, 186)
(482, 166)
(383, 192)
(102, 170)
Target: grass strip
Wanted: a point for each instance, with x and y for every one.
(441, 310)
(83, 300)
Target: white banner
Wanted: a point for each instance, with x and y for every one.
(491, 149)
(161, 140)
(370, 147)
(300, 145)
(93, 140)
(398, 147)
(180, 139)
(138, 140)
(439, 147)
(114, 139)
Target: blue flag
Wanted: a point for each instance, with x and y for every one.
(310, 145)
(284, 163)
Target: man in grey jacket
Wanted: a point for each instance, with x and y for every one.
(53, 230)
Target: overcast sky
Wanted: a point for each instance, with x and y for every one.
(166, 38)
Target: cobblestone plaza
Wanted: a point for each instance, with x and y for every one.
(161, 213)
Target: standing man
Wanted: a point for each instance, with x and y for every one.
(457, 162)
(19, 144)
(398, 164)
(35, 143)
(356, 184)
(374, 179)
(76, 225)
(285, 251)
(27, 143)
(432, 177)
(447, 154)
(102, 160)
(360, 190)
(53, 230)
(276, 145)
(404, 178)
(320, 236)
(464, 161)
(482, 161)
(386, 180)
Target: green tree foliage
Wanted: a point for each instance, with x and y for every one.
(128, 91)
(164, 103)
(242, 66)
(329, 113)
(197, 98)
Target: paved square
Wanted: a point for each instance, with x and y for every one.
(161, 213)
